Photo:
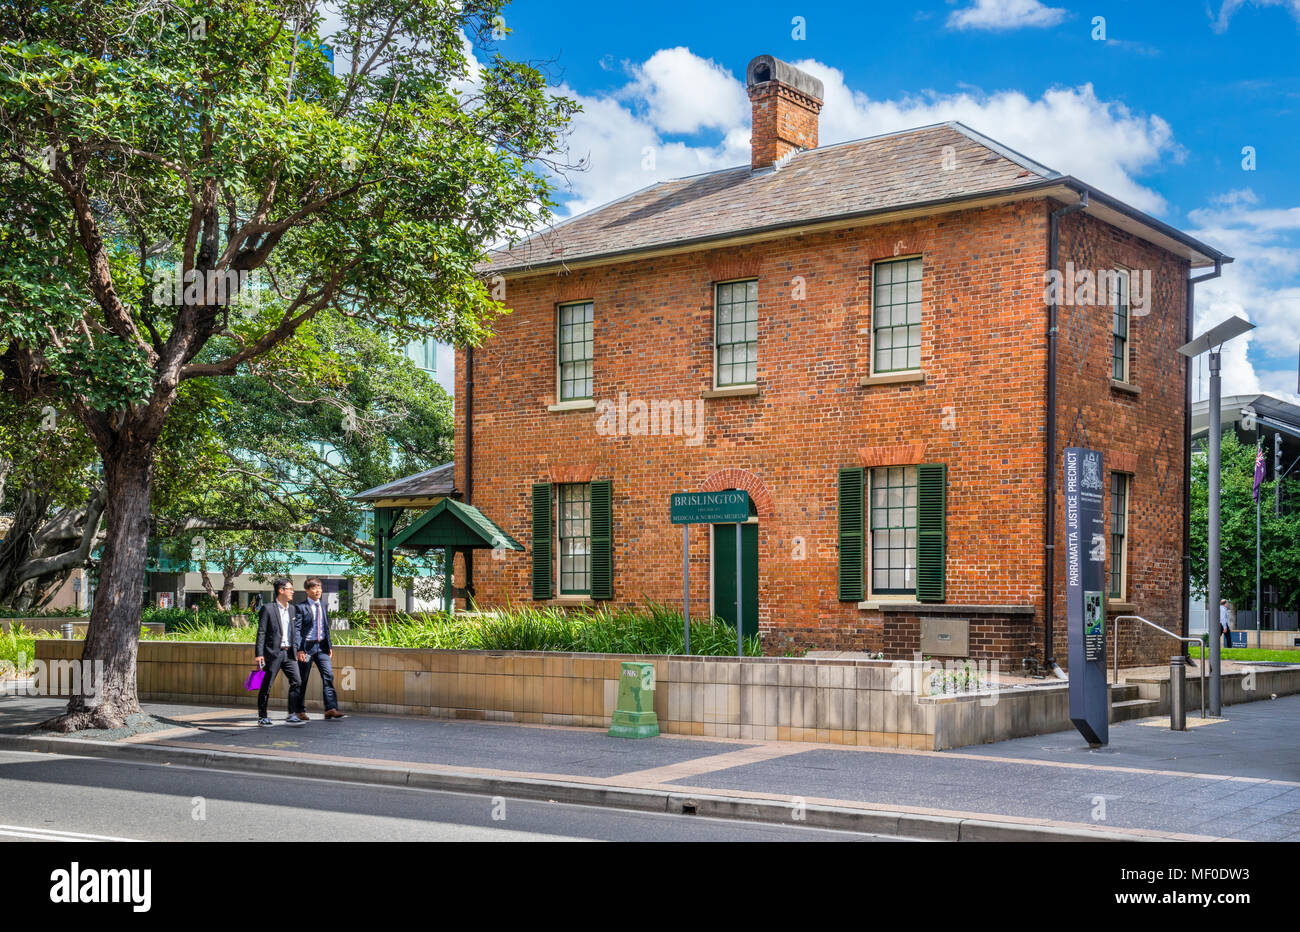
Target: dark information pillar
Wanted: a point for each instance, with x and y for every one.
(1085, 583)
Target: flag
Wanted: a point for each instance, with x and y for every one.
(1259, 470)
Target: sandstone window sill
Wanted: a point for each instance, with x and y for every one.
(570, 600)
(942, 608)
(1120, 608)
(1125, 387)
(893, 378)
(581, 404)
(734, 391)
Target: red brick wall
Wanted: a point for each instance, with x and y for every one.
(784, 120)
(1139, 434)
(980, 410)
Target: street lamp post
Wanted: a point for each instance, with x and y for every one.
(1213, 340)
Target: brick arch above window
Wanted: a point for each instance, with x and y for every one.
(742, 479)
(564, 473)
(727, 266)
(883, 246)
(909, 454)
(571, 287)
(1125, 461)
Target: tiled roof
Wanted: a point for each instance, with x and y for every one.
(440, 480)
(919, 166)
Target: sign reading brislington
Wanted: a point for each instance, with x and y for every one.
(730, 507)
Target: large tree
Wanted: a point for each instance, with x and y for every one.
(251, 466)
(216, 139)
(1279, 534)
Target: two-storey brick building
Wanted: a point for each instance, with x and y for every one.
(861, 337)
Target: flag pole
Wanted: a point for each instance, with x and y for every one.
(1259, 604)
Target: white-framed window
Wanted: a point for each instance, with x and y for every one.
(735, 333)
(573, 532)
(896, 315)
(891, 554)
(574, 333)
(1117, 565)
(1119, 321)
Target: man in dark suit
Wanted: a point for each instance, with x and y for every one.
(277, 642)
(314, 647)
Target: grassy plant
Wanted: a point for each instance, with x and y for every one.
(1250, 653)
(18, 647)
(649, 629)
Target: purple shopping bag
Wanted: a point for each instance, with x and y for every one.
(254, 681)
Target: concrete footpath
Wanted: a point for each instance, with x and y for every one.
(1232, 778)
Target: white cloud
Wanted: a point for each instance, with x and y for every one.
(1069, 129)
(684, 93)
(1005, 14)
(1261, 285)
(1232, 6)
(625, 153)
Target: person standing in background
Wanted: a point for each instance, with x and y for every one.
(277, 641)
(316, 648)
(1223, 623)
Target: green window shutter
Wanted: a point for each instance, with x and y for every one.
(542, 540)
(602, 540)
(931, 530)
(851, 534)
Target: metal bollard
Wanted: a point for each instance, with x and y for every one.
(67, 631)
(1178, 693)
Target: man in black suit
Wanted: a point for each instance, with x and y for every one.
(314, 647)
(276, 645)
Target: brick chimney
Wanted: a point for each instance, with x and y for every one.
(786, 102)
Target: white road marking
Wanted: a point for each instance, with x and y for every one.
(51, 834)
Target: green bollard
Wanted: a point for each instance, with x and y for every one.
(635, 716)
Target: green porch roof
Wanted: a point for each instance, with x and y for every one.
(454, 524)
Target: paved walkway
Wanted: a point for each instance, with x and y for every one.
(1231, 778)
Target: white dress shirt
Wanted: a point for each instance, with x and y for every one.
(284, 623)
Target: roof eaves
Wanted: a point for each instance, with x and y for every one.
(704, 240)
(1208, 251)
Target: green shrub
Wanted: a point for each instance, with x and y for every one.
(44, 613)
(18, 647)
(173, 618)
(649, 629)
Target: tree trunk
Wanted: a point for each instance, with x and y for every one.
(113, 635)
(228, 576)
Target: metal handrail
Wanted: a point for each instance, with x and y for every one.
(1177, 637)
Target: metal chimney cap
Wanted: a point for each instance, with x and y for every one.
(766, 68)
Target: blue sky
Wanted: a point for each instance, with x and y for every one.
(1154, 106)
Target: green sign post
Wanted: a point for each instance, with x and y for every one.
(634, 717)
(729, 507)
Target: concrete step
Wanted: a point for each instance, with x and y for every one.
(1124, 692)
(1128, 709)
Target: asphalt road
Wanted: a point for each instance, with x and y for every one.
(48, 798)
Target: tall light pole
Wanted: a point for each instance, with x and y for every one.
(1213, 340)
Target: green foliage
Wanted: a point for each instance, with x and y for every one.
(1279, 534)
(649, 629)
(208, 630)
(18, 648)
(138, 138)
(44, 613)
(1250, 653)
(176, 619)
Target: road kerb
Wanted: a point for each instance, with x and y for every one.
(771, 810)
